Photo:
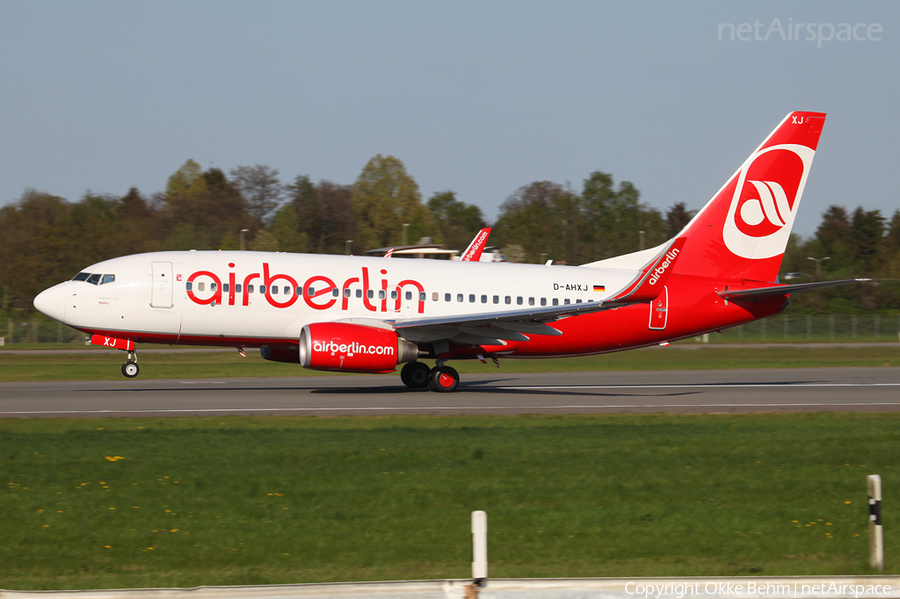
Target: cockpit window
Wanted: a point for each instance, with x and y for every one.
(94, 279)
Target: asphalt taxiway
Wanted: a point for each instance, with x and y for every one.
(708, 391)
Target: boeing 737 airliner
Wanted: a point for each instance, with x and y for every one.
(364, 314)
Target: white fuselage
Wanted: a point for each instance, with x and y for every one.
(257, 298)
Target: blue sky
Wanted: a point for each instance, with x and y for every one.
(477, 97)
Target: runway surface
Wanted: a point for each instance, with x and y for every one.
(728, 391)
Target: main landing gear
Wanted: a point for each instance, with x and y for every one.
(442, 379)
(130, 368)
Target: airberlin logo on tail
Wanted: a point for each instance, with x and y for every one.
(660, 270)
(765, 199)
(770, 206)
(768, 193)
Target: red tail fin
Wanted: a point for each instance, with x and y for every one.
(743, 231)
(475, 249)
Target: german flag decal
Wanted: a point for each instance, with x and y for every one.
(599, 287)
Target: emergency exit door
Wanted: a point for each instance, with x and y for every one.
(161, 296)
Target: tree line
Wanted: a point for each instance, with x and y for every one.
(48, 239)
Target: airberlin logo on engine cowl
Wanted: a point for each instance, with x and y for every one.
(318, 291)
(765, 199)
(352, 348)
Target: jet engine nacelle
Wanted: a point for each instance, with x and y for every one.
(346, 347)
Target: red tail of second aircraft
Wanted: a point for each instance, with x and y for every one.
(476, 248)
(743, 231)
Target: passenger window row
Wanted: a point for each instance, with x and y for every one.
(495, 299)
(371, 294)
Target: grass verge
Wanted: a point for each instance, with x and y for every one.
(96, 366)
(213, 501)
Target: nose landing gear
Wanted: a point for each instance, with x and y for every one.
(130, 368)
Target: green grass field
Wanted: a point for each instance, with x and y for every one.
(110, 503)
(92, 365)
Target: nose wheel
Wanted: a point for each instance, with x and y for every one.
(130, 368)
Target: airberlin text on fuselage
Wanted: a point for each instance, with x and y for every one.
(318, 291)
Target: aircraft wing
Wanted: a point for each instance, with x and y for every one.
(495, 327)
(776, 290)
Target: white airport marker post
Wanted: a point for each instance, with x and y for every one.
(479, 547)
(876, 539)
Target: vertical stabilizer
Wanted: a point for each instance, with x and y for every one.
(744, 229)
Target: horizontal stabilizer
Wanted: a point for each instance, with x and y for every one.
(776, 290)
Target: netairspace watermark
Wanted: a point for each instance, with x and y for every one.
(794, 32)
(752, 588)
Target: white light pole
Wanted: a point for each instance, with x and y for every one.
(818, 262)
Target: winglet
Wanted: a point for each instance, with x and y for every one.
(473, 252)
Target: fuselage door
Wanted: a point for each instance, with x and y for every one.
(659, 311)
(161, 296)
